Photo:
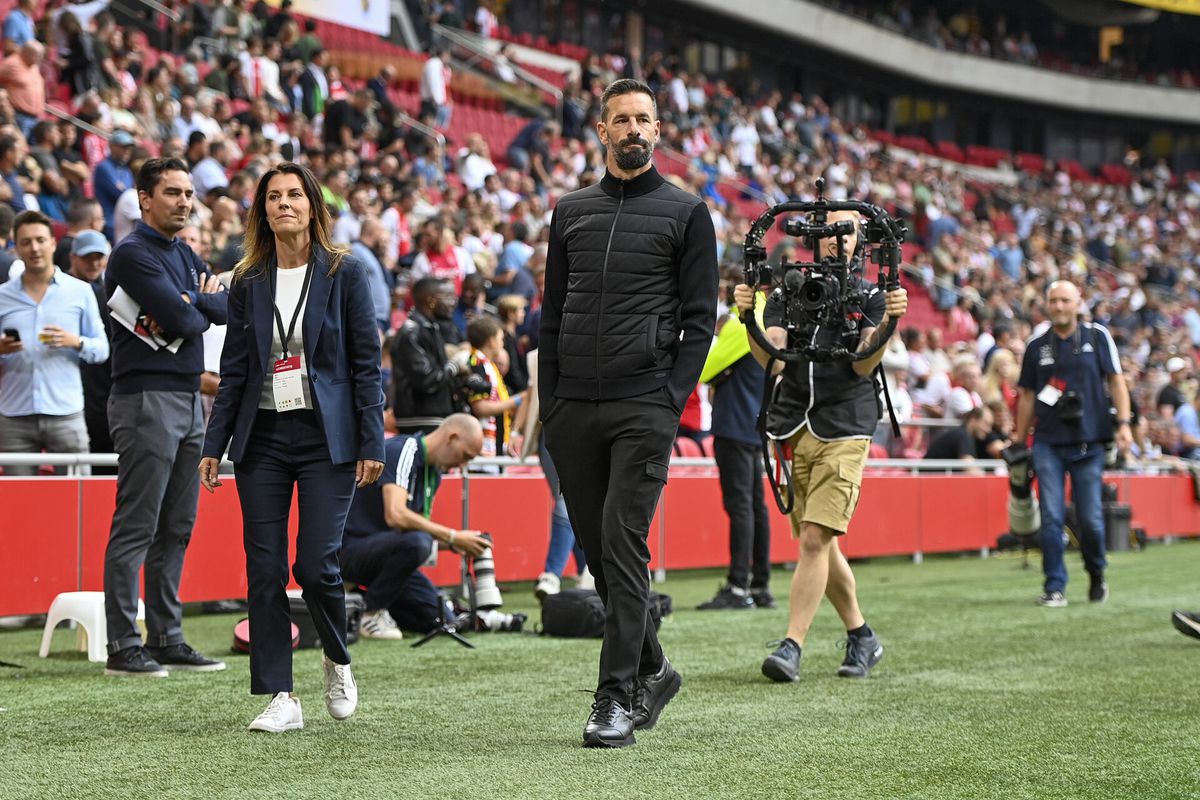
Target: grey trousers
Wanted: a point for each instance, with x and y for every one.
(158, 437)
(66, 433)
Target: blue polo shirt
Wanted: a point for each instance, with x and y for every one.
(404, 463)
(1080, 363)
(39, 379)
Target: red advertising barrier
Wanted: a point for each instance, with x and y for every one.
(55, 529)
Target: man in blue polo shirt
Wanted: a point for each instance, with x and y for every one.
(156, 420)
(389, 534)
(57, 324)
(1068, 375)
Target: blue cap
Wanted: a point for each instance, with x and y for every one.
(121, 139)
(89, 242)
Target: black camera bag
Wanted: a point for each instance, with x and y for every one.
(579, 613)
(309, 637)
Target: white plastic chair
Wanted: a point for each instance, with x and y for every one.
(86, 609)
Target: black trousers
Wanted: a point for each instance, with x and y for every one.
(612, 462)
(388, 564)
(288, 450)
(740, 469)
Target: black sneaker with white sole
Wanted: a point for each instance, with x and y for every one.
(762, 598)
(862, 653)
(728, 597)
(183, 658)
(1097, 588)
(1186, 623)
(134, 662)
(1052, 600)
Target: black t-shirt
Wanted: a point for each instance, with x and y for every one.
(343, 114)
(404, 463)
(829, 397)
(953, 443)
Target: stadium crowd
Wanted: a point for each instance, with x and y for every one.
(458, 233)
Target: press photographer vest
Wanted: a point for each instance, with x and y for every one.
(829, 397)
(1082, 362)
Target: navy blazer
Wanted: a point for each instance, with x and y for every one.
(341, 353)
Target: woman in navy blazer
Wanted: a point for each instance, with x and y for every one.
(299, 405)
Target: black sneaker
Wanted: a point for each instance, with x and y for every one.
(652, 694)
(727, 597)
(609, 725)
(134, 662)
(783, 665)
(1097, 588)
(1052, 600)
(762, 598)
(862, 653)
(183, 658)
(1186, 623)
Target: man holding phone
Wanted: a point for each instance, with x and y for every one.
(51, 324)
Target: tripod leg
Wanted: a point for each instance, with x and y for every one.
(444, 630)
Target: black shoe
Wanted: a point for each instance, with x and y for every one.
(1186, 623)
(1097, 588)
(609, 725)
(652, 694)
(135, 662)
(728, 596)
(862, 653)
(183, 658)
(783, 665)
(762, 598)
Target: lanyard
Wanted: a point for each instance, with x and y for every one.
(285, 340)
(427, 485)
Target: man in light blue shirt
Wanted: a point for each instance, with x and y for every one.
(18, 26)
(1187, 419)
(51, 322)
(367, 248)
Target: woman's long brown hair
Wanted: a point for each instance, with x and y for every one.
(260, 239)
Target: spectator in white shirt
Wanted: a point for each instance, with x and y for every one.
(211, 172)
(476, 164)
(435, 87)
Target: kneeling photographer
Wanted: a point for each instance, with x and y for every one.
(389, 534)
(1068, 375)
(826, 411)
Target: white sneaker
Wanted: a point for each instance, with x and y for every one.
(547, 584)
(341, 692)
(379, 625)
(585, 580)
(281, 714)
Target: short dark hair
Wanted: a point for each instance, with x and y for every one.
(6, 220)
(31, 218)
(974, 414)
(482, 330)
(624, 86)
(81, 211)
(41, 131)
(7, 143)
(150, 175)
(426, 287)
(520, 232)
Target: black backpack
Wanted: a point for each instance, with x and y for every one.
(579, 613)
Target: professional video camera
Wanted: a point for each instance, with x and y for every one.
(822, 292)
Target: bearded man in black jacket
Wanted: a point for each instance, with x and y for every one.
(627, 318)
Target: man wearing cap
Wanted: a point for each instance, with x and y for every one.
(113, 176)
(89, 258)
(1171, 396)
(52, 325)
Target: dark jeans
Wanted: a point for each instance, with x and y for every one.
(286, 450)
(1086, 465)
(388, 564)
(612, 460)
(562, 537)
(158, 436)
(740, 468)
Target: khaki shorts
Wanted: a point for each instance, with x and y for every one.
(827, 477)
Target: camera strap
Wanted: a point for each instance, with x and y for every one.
(887, 396)
(779, 473)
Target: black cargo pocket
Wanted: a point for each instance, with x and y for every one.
(656, 471)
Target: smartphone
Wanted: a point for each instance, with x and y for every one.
(13, 334)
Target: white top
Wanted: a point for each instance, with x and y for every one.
(288, 285)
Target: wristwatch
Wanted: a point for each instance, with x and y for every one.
(1121, 422)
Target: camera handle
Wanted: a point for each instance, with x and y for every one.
(882, 235)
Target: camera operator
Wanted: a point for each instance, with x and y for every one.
(424, 376)
(389, 534)
(1067, 376)
(827, 413)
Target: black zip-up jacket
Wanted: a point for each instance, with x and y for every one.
(631, 292)
(422, 376)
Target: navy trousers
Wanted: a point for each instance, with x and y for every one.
(388, 564)
(288, 450)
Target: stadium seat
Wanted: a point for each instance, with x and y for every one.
(86, 609)
(687, 448)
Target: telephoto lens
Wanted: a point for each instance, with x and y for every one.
(483, 569)
(498, 622)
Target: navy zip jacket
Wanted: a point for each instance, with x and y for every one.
(156, 272)
(631, 291)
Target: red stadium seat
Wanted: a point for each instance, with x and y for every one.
(687, 448)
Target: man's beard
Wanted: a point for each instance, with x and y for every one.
(629, 158)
